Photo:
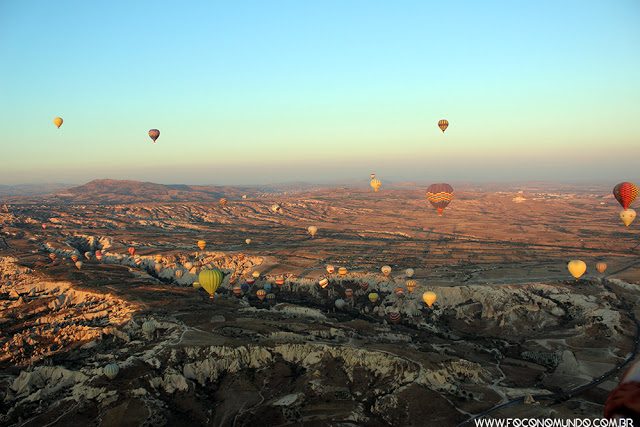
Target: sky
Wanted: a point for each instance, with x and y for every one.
(259, 92)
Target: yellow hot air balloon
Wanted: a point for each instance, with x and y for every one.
(342, 271)
(627, 216)
(255, 274)
(210, 280)
(312, 229)
(196, 285)
(601, 267)
(202, 244)
(429, 298)
(247, 241)
(58, 122)
(373, 297)
(158, 258)
(577, 268)
(376, 184)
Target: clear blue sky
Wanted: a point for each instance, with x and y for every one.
(272, 91)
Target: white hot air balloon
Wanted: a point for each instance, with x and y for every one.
(111, 370)
(409, 272)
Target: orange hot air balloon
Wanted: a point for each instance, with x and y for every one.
(601, 267)
(399, 291)
(279, 280)
(154, 134)
(202, 244)
(331, 269)
(58, 122)
(131, 250)
(261, 293)
(342, 271)
(577, 268)
(443, 124)
(440, 195)
(625, 193)
(411, 285)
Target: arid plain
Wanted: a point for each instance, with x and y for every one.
(510, 326)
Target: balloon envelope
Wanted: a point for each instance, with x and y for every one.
(202, 244)
(627, 216)
(577, 268)
(429, 298)
(625, 193)
(373, 297)
(440, 195)
(154, 134)
(210, 280)
(443, 124)
(376, 184)
(58, 122)
(601, 267)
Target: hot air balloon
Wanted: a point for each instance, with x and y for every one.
(342, 271)
(250, 280)
(627, 216)
(154, 134)
(411, 285)
(330, 269)
(137, 260)
(625, 193)
(44, 226)
(440, 195)
(78, 265)
(324, 282)
(223, 202)
(202, 244)
(237, 290)
(348, 292)
(53, 256)
(443, 124)
(386, 270)
(255, 274)
(372, 176)
(261, 293)
(267, 287)
(373, 297)
(244, 196)
(98, 255)
(429, 298)
(158, 267)
(394, 317)
(271, 298)
(158, 258)
(312, 229)
(111, 370)
(74, 258)
(280, 280)
(577, 268)
(601, 267)
(376, 184)
(340, 304)
(131, 250)
(409, 272)
(179, 273)
(247, 241)
(399, 291)
(188, 265)
(58, 122)
(245, 287)
(210, 280)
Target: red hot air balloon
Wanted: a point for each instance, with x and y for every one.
(154, 134)
(131, 250)
(440, 195)
(625, 193)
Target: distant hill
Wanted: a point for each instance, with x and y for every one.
(30, 189)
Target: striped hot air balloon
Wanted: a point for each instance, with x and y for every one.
(237, 290)
(342, 271)
(443, 124)
(376, 184)
(440, 195)
(261, 293)
(324, 282)
(625, 193)
(250, 280)
(280, 280)
(399, 291)
(210, 280)
(394, 317)
(411, 285)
